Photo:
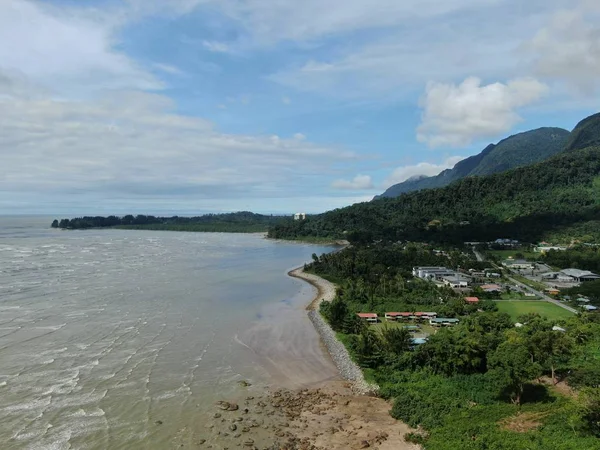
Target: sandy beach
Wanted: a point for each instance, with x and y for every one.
(318, 408)
(325, 289)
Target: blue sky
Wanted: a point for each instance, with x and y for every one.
(191, 106)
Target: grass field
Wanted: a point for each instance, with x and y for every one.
(518, 308)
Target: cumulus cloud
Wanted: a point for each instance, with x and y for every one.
(455, 115)
(65, 51)
(359, 182)
(568, 48)
(404, 173)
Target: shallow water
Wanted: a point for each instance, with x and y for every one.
(114, 339)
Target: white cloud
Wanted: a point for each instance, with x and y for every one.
(131, 145)
(172, 70)
(359, 182)
(568, 48)
(216, 47)
(456, 115)
(401, 62)
(286, 100)
(403, 173)
(272, 21)
(65, 50)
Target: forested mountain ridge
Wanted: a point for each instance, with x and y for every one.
(585, 134)
(515, 151)
(525, 203)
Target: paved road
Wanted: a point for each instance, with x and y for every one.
(542, 295)
(480, 257)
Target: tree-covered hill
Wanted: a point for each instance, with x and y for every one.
(515, 151)
(525, 203)
(238, 222)
(585, 134)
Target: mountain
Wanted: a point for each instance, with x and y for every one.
(515, 151)
(559, 195)
(585, 134)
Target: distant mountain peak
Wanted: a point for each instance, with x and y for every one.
(514, 151)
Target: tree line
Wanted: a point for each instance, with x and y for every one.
(231, 222)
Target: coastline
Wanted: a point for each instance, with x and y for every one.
(331, 415)
(325, 289)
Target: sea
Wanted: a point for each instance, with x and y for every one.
(123, 339)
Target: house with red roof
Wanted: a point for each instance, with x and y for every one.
(472, 300)
(369, 317)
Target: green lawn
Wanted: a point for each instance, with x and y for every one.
(517, 308)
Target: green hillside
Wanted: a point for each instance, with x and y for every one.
(526, 203)
(585, 134)
(515, 151)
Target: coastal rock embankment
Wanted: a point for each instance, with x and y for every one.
(347, 368)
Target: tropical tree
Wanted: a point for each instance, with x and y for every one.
(512, 368)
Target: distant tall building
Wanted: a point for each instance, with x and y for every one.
(300, 216)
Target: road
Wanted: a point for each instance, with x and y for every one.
(543, 296)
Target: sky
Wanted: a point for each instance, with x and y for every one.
(273, 106)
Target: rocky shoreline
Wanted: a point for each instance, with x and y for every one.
(327, 418)
(340, 415)
(347, 368)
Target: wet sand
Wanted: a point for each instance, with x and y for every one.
(319, 412)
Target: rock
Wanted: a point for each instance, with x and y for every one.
(227, 406)
(244, 383)
(217, 416)
(249, 442)
(159, 422)
(201, 441)
(233, 427)
(364, 444)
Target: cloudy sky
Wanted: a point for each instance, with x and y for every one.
(190, 106)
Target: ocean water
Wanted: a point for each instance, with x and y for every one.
(115, 339)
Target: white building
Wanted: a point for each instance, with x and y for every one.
(300, 216)
(578, 276)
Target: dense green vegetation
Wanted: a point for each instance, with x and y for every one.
(585, 257)
(472, 386)
(526, 203)
(516, 151)
(239, 222)
(585, 134)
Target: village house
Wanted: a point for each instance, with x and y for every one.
(395, 316)
(443, 322)
(518, 264)
(491, 288)
(369, 317)
(471, 300)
